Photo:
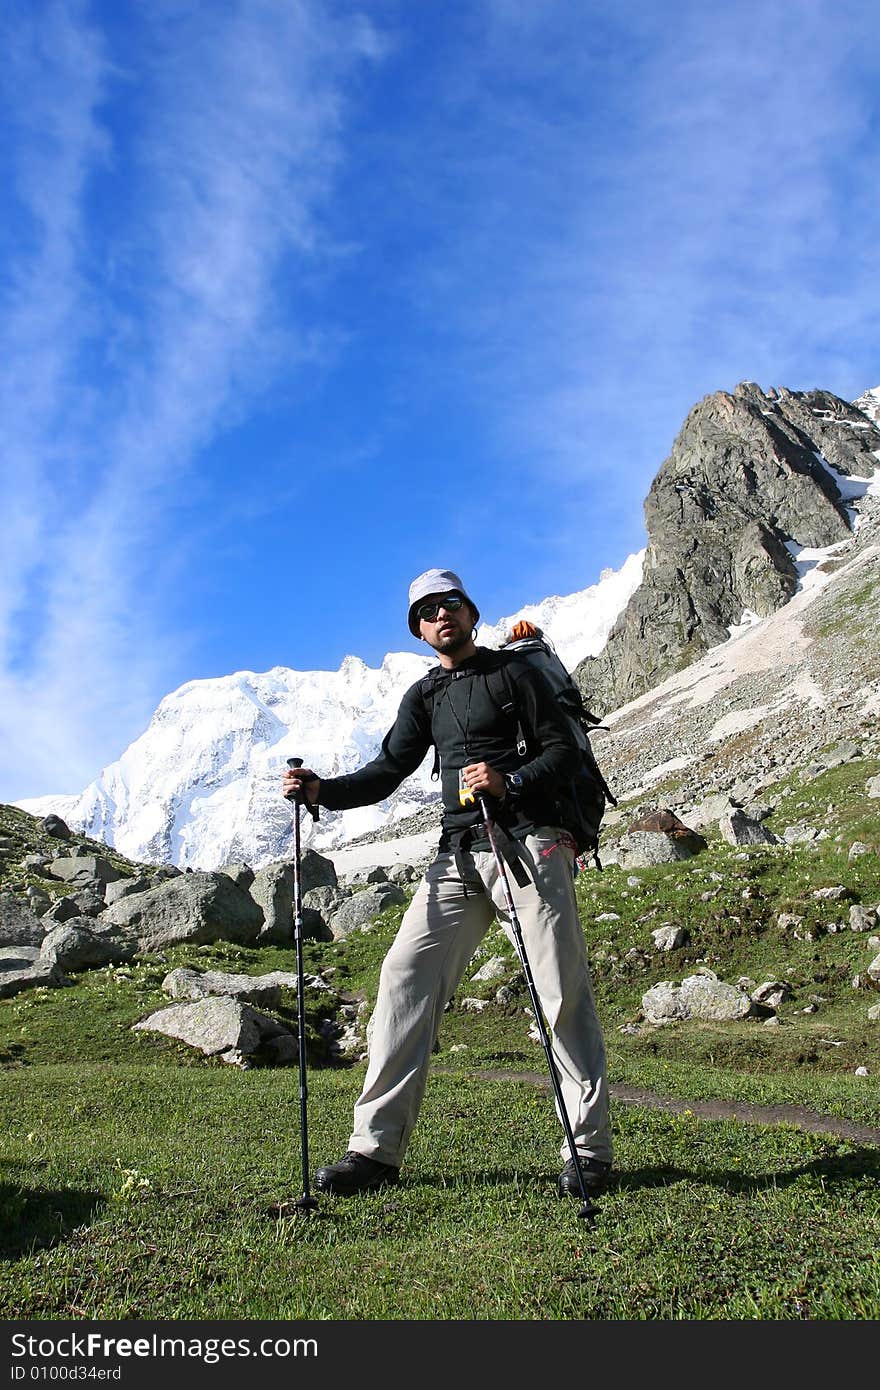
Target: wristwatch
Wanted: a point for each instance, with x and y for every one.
(513, 782)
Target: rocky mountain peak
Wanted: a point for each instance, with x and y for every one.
(869, 404)
(752, 477)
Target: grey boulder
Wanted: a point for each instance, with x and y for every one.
(286, 979)
(772, 993)
(84, 868)
(61, 910)
(643, 848)
(701, 996)
(19, 925)
(36, 864)
(705, 996)
(495, 968)
(88, 902)
(862, 918)
(708, 812)
(800, 834)
(74, 945)
(737, 829)
(240, 873)
(22, 967)
(363, 908)
(197, 907)
(222, 1027)
(38, 900)
(319, 904)
(125, 887)
(272, 890)
(670, 938)
(55, 826)
(404, 874)
(316, 871)
(360, 877)
(663, 1002)
(262, 990)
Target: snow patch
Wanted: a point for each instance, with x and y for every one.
(872, 703)
(671, 765)
(736, 723)
(748, 620)
(851, 489)
(806, 688)
(409, 849)
(808, 560)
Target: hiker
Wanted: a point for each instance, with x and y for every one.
(461, 893)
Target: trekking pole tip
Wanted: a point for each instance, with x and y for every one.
(301, 1205)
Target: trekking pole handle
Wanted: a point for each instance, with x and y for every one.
(299, 799)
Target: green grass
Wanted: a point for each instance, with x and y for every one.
(854, 612)
(138, 1178)
(146, 1193)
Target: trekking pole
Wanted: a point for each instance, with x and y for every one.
(588, 1210)
(306, 1202)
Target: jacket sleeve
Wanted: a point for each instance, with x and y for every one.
(546, 728)
(403, 749)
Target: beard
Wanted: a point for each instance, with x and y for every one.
(452, 642)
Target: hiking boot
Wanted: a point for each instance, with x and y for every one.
(595, 1174)
(354, 1173)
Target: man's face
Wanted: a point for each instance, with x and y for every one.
(451, 629)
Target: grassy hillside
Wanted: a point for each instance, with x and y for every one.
(139, 1180)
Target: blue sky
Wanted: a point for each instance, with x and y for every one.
(300, 298)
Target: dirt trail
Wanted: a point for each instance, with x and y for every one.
(798, 1115)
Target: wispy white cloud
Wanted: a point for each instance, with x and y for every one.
(58, 143)
(670, 197)
(215, 191)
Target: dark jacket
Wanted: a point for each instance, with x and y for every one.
(461, 717)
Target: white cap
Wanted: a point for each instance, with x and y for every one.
(435, 582)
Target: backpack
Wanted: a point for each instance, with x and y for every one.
(582, 799)
(587, 792)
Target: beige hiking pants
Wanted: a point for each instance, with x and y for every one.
(439, 933)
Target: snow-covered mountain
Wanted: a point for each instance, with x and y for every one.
(578, 624)
(200, 787)
(869, 404)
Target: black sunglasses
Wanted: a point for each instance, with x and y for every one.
(428, 611)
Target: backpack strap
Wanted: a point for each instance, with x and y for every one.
(429, 685)
(502, 691)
